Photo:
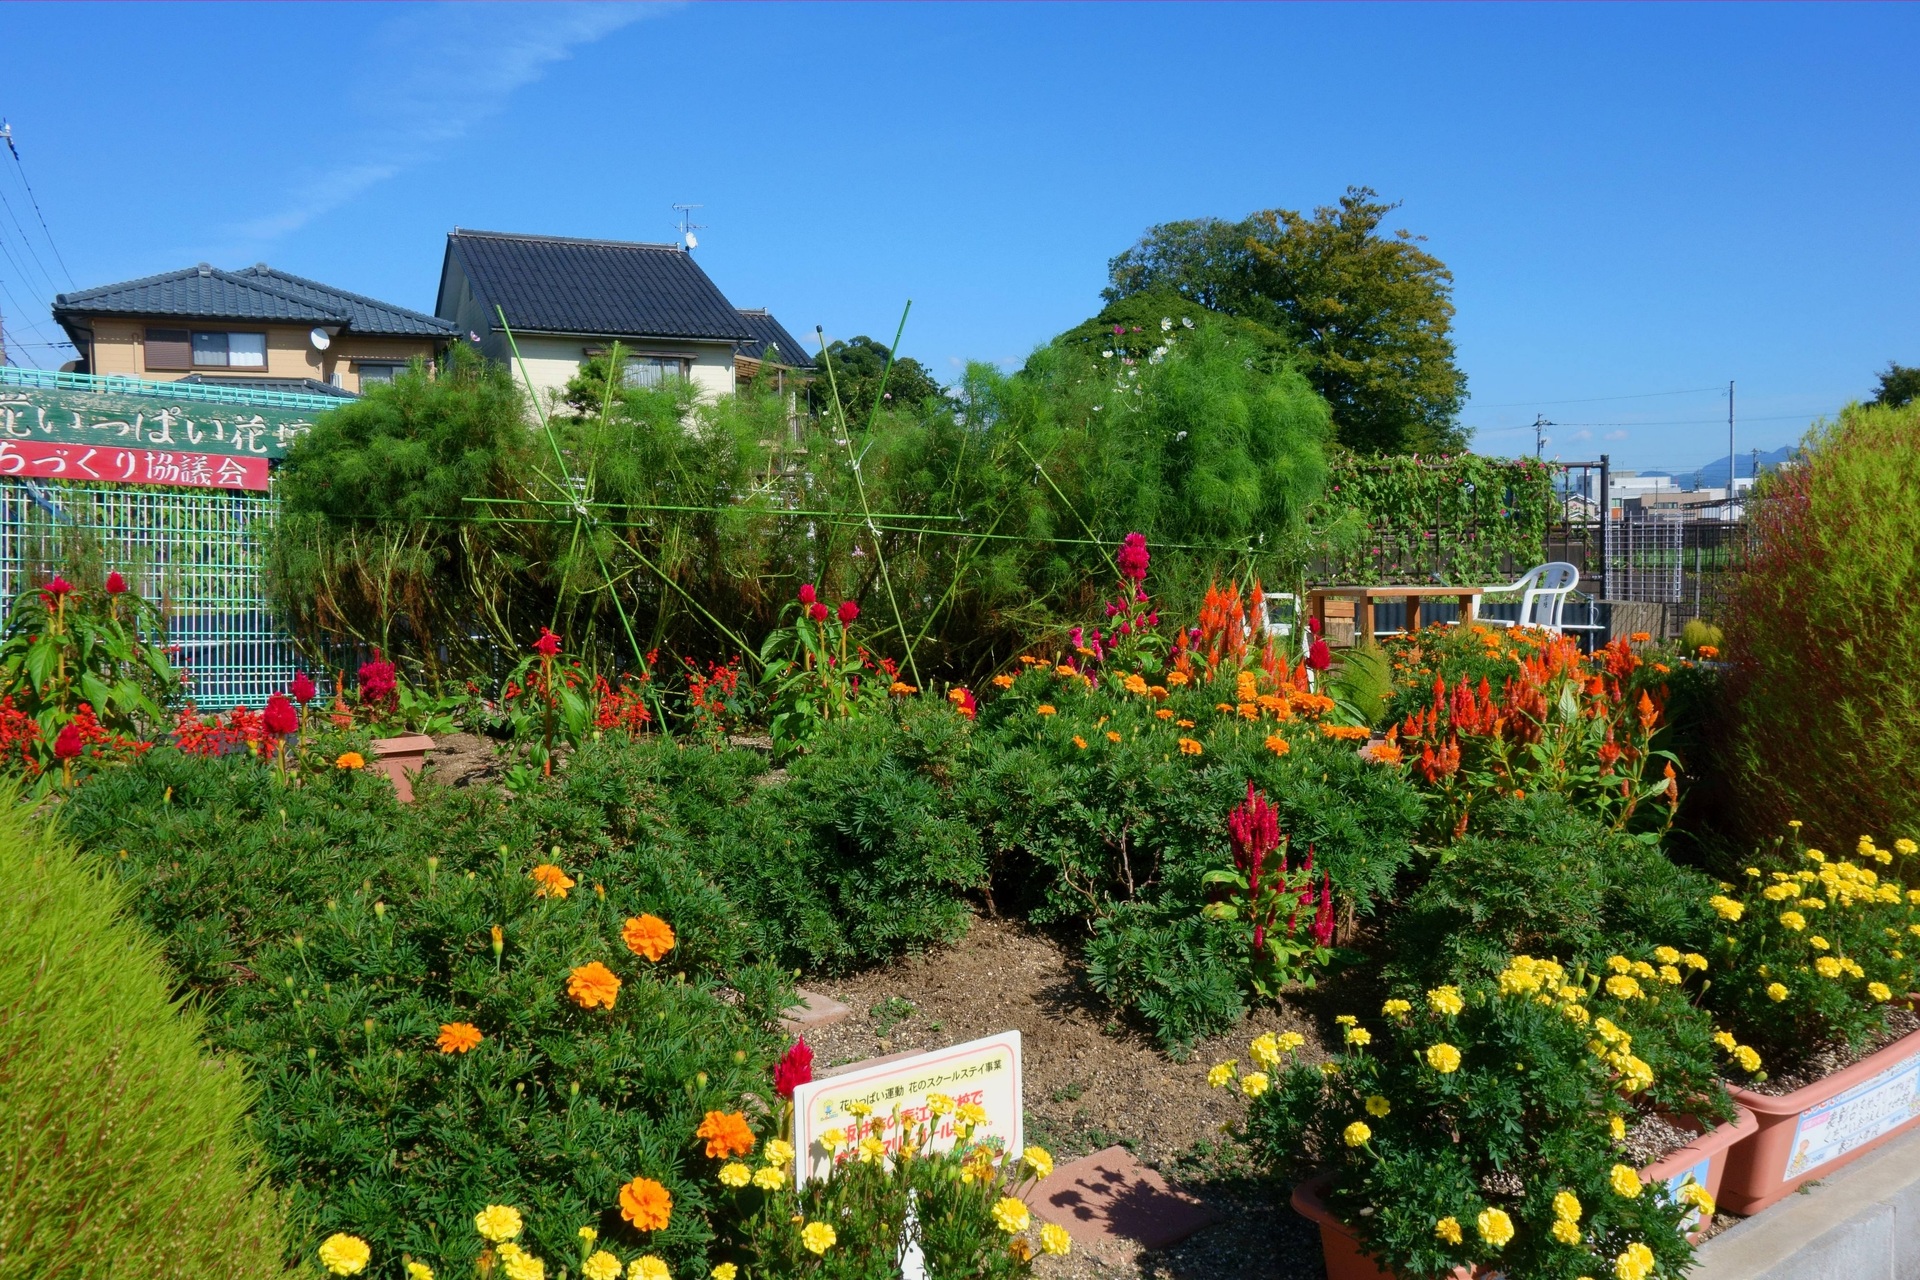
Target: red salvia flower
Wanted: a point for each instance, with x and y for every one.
(548, 645)
(794, 1069)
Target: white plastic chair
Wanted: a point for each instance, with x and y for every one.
(1543, 593)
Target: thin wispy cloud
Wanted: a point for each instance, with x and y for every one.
(427, 78)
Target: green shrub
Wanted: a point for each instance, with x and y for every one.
(1824, 641)
(1364, 682)
(331, 933)
(126, 1145)
(1700, 634)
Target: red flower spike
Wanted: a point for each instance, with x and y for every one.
(302, 688)
(1319, 657)
(58, 587)
(1133, 558)
(377, 680)
(280, 717)
(67, 745)
(848, 612)
(794, 1069)
(807, 594)
(548, 645)
(116, 585)
(818, 612)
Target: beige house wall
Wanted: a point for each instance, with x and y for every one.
(119, 347)
(551, 361)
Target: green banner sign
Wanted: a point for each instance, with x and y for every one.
(146, 419)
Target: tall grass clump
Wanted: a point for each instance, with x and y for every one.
(1824, 640)
(125, 1146)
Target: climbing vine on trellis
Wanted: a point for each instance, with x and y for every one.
(1465, 518)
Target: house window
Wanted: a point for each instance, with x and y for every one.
(372, 373)
(169, 349)
(653, 371)
(229, 350)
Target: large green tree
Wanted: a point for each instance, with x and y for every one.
(1368, 312)
(857, 367)
(1899, 386)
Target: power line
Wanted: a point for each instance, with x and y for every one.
(1638, 395)
(6, 131)
(8, 205)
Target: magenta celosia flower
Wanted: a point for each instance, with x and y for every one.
(807, 594)
(377, 681)
(794, 1069)
(302, 688)
(547, 645)
(67, 745)
(59, 586)
(279, 717)
(819, 612)
(848, 612)
(116, 584)
(1133, 557)
(1319, 657)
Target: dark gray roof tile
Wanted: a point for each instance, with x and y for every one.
(771, 342)
(256, 293)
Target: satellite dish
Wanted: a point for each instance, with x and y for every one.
(691, 242)
(318, 337)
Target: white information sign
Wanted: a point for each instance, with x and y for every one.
(1855, 1118)
(985, 1072)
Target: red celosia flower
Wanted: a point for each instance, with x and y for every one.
(115, 583)
(818, 612)
(67, 745)
(793, 1070)
(1133, 557)
(807, 594)
(848, 612)
(377, 681)
(302, 688)
(59, 586)
(280, 717)
(548, 645)
(1319, 657)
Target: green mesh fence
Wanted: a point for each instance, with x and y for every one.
(195, 551)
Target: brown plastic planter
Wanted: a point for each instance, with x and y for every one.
(1705, 1160)
(400, 758)
(1814, 1131)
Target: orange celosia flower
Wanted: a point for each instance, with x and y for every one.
(458, 1037)
(1278, 745)
(646, 1204)
(726, 1133)
(551, 881)
(1188, 747)
(648, 936)
(593, 985)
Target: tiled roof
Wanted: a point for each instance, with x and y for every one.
(254, 293)
(771, 342)
(607, 288)
(300, 386)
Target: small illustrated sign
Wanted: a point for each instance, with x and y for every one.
(888, 1101)
(1697, 1219)
(1855, 1118)
(39, 460)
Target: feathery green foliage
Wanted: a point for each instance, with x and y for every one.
(127, 1153)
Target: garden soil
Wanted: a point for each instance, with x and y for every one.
(1092, 1082)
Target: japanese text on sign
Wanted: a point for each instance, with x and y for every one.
(38, 460)
(125, 422)
(1855, 1118)
(887, 1101)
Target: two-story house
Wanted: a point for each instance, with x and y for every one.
(567, 301)
(256, 328)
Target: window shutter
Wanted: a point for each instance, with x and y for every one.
(169, 349)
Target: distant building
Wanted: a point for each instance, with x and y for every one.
(255, 328)
(568, 301)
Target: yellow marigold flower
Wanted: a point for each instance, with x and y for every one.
(1566, 1231)
(1828, 967)
(1641, 969)
(601, 1266)
(1619, 964)
(344, 1255)
(1694, 960)
(1667, 955)
(770, 1178)
(1356, 1134)
(1055, 1240)
(1624, 1181)
(457, 1037)
(1793, 920)
(1378, 1106)
(1879, 991)
(1395, 1008)
(1448, 1229)
(648, 1267)
(1696, 1195)
(735, 1174)
(1817, 942)
(1265, 1051)
(1623, 988)
(1011, 1213)
(1749, 1060)
(498, 1222)
(1254, 1083)
(1670, 974)
(1045, 709)
(1575, 1013)
(871, 1149)
(593, 986)
(1443, 1058)
(648, 936)
(1776, 992)
(646, 1204)
(1634, 1264)
(1346, 1020)
(1617, 1127)
(1359, 1036)
(779, 1151)
(421, 1271)
(522, 1265)
(1566, 1206)
(1190, 747)
(725, 1271)
(1038, 1161)
(1905, 847)
(1816, 855)
(972, 1113)
(1445, 1001)
(834, 1139)
(350, 760)
(1494, 1226)
(1726, 908)
(1725, 1040)
(550, 881)
(1290, 1040)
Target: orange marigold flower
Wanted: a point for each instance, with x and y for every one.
(1384, 753)
(1163, 714)
(1003, 682)
(1112, 736)
(593, 986)
(1176, 678)
(646, 1204)
(1346, 732)
(350, 760)
(550, 881)
(1640, 637)
(900, 689)
(1225, 708)
(647, 935)
(1188, 747)
(1079, 742)
(1278, 745)
(726, 1133)
(1045, 709)
(1249, 711)
(1184, 724)
(1709, 652)
(458, 1037)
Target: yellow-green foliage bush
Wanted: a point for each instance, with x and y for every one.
(124, 1144)
(1824, 639)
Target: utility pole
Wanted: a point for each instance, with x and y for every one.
(1540, 424)
(1731, 465)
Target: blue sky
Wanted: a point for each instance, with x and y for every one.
(1633, 200)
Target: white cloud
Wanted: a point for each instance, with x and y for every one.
(1581, 435)
(427, 78)
(1616, 435)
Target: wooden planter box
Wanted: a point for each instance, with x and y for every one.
(401, 758)
(1814, 1131)
(1706, 1160)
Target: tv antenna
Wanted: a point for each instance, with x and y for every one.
(687, 227)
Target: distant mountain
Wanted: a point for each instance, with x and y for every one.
(1714, 474)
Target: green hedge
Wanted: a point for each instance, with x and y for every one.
(127, 1153)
